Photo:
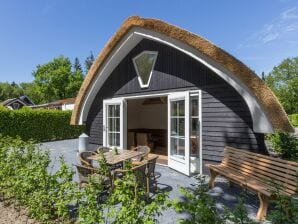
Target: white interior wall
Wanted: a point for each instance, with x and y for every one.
(146, 116)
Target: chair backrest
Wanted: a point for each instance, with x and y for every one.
(143, 148)
(140, 172)
(268, 170)
(103, 149)
(83, 156)
(83, 173)
(151, 165)
(142, 139)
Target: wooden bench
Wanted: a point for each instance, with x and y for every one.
(258, 173)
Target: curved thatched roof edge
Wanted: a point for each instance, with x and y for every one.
(263, 94)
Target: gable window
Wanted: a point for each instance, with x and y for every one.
(15, 106)
(144, 64)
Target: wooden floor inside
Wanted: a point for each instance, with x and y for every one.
(162, 159)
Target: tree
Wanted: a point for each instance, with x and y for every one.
(89, 61)
(76, 78)
(77, 65)
(283, 80)
(56, 79)
(31, 89)
(8, 90)
(263, 76)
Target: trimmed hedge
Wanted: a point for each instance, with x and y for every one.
(294, 119)
(38, 124)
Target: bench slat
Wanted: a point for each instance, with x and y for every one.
(262, 175)
(260, 161)
(276, 161)
(258, 167)
(247, 181)
(281, 185)
(243, 181)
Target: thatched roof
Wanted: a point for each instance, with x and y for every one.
(263, 94)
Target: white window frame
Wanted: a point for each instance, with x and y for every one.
(179, 164)
(122, 103)
(151, 72)
(199, 94)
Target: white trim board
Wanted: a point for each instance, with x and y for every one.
(261, 123)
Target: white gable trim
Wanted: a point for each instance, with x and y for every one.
(14, 101)
(261, 123)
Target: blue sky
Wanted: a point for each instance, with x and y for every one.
(258, 32)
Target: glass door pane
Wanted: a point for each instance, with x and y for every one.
(194, 126)
(177, 131)
(113, 125)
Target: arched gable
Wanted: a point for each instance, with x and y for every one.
(266, 111)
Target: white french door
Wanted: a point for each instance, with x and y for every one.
(114, 123)
(178, 132)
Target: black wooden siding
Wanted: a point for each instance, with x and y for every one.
(225, 115)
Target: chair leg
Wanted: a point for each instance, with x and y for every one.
(212, 178)
(148, 186)
(155, 182)
(136, 192)
(263, 206)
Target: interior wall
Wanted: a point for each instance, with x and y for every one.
(146, 116)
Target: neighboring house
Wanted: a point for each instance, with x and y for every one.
(67, 104)
(17, 103)
(188, 96)
(64, 104)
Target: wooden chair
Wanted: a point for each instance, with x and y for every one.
(260, 173)
(83, 157)
(150, 173)
(139, 172)
(84, 173)
(142, 148)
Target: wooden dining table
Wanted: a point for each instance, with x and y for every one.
(112, 158)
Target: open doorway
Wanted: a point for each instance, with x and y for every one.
(147, 125)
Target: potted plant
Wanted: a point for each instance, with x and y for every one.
(115, 150)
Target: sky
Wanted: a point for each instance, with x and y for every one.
(260, 33)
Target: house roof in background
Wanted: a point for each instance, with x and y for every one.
(56, 103)
(25, 100)
(66, 101)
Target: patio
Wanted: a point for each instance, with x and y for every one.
(170, 181)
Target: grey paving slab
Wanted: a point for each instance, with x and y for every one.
(170, 180)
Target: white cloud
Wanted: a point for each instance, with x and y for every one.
(269, 37)
(282, 28)
(289, 14)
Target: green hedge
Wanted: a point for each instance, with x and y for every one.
(38, 124)
(294, 119)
